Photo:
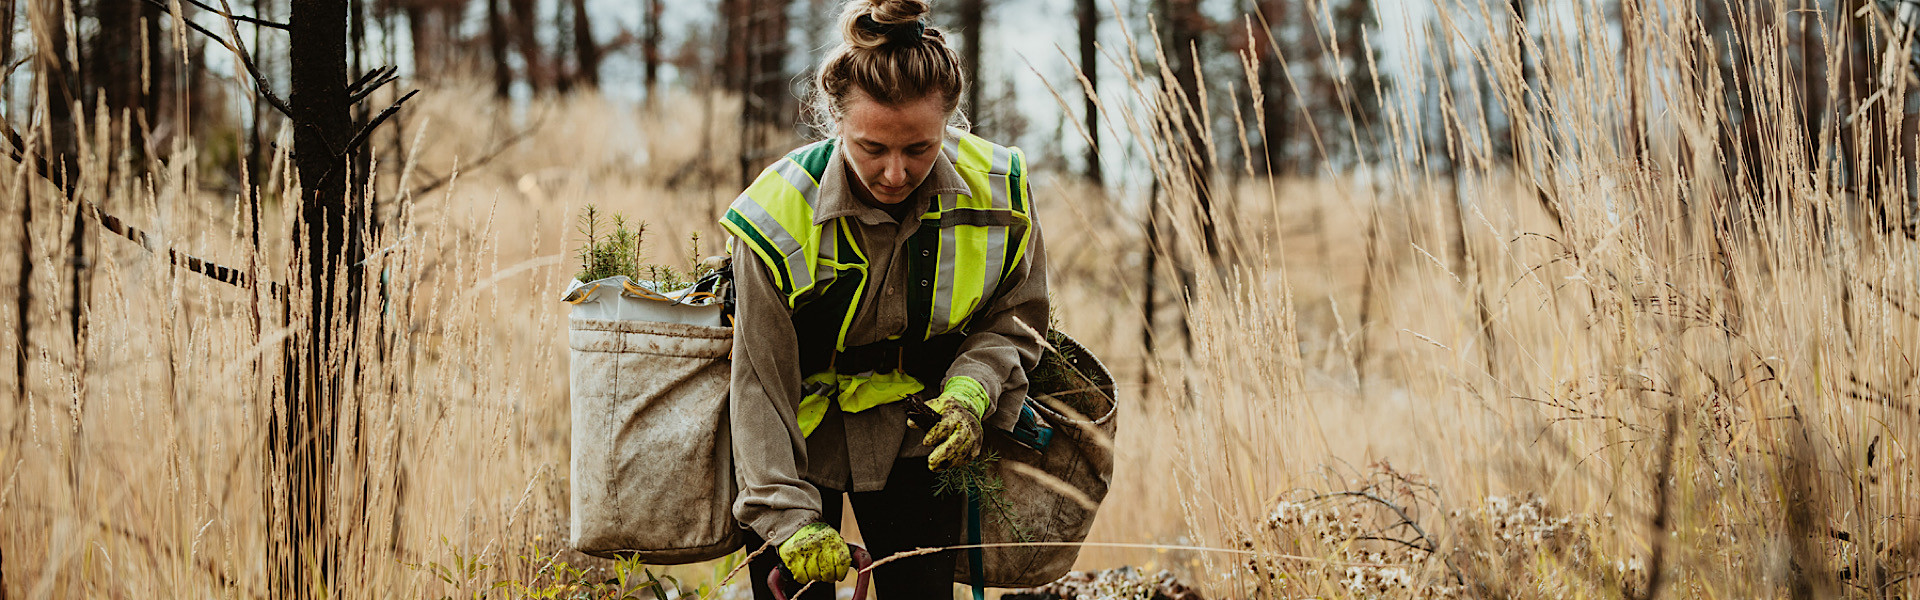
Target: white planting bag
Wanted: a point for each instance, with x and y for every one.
(652, 466)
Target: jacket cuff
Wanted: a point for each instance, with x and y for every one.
(777, 526)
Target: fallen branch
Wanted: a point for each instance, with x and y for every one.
(17, 148)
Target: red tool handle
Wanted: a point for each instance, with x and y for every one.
(780, 578)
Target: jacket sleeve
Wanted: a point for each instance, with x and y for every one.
(769, 451)
(1003, 340)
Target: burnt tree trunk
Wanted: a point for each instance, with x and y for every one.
(585, 50)
(1276, 95)
(650, 47)
(972, 20)
(303, 436)
(1087, 13)
(57, 77)
(497, 50)
(1184, 27)
(540, 73)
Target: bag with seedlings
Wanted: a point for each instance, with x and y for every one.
(1043, 481)
(652, 465)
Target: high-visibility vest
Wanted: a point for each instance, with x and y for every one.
(965, 248)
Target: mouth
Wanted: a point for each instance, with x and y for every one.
(891, 190)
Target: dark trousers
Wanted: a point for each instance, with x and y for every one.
(903, 517)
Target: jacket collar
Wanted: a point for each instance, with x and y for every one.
(837, 199)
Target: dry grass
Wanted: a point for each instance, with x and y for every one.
(1686, 380)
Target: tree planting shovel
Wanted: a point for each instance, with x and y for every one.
(780, 578)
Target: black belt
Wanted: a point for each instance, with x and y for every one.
(926, 360)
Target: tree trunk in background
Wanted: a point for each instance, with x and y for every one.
(972, 20)
(1087, 12)
(584, 49)
(55, 74)
(419, 36)
(1184, 26)
(540, 73)
(302, 441)
(650, 47)
(115, 60)
(1635, 68)
(6, 58)
(767, 57)
(497, 51)
(1276, 95)
(763, 47)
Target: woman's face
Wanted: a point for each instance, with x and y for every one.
(890, 149)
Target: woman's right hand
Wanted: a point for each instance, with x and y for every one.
(816, 553)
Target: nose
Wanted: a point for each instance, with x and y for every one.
(893, 172)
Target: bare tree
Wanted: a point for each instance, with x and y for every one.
(972, 20)
(650, 47)
(585, 51)
(1087, 14)
(303, 440)
(1185, 25)
(497, 50)
(520, 26)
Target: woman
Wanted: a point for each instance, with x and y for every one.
(897, 258)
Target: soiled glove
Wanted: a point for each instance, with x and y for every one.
(957, 436)
(816, 553)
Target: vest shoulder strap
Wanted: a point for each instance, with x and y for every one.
(774, 216)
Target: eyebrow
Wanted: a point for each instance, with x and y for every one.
(868, 142)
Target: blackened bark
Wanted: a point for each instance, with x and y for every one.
(540, 74)
(650, 47)
(23, 303)
(767, 59)
(114, 54)
(585, 50)
(972, 20)
(1276, 110)
(1185, 24)
(497, 50)
(302, 448)
(419, 36)
(55, 70)
(1087, 12)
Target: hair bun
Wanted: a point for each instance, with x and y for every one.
(886, 22)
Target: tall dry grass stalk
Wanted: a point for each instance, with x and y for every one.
(1601, 355)
(1625, 340)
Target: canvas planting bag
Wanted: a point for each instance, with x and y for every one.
(652, 465)
(1052, 494)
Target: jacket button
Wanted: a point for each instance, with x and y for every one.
(925, 252)
(925, 283)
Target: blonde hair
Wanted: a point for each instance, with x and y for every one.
(889, 52)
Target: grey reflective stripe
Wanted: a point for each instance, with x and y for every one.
(795, 259)
(952, 146)
(829, 250)
(942, 320)
(798, 177)
(998, 190)
(949, 202)
(996, 261)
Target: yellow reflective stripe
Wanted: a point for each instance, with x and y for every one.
(854, 393)
(815, 392)
(974, 165)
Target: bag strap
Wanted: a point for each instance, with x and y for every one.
(975, 557)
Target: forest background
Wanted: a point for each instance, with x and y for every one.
(1521, 298)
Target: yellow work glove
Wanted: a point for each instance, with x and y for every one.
(957, 436)
(816, 553)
